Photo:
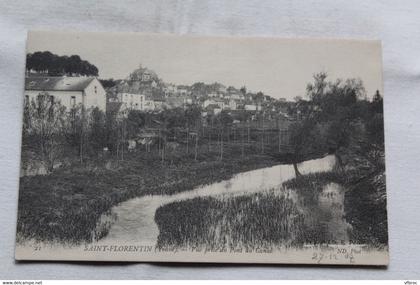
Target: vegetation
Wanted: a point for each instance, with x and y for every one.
(66, 204)
(90, 166)
(364, 202)
(336, 119)
(271, 219)
(258, 221)
(51, 64)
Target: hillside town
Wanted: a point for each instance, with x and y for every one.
(143, 90)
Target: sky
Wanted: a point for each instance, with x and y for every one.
(280, 68)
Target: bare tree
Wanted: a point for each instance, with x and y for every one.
(44, 123)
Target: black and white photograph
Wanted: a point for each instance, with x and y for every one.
(176, 148)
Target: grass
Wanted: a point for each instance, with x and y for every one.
(254, 221)
(364, 201)
(66, 205)
(271, 219)
(365, 206)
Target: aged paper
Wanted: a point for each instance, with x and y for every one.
(202, 149)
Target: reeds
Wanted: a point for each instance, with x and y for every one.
(251, 222)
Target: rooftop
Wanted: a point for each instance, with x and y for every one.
(57, 83)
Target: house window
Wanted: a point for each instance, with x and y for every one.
(96, 89)
(73, 101)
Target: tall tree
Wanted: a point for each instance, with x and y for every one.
(54, 65)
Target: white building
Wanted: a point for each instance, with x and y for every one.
(132, 101)
(250, 107)
(149, 104)
(169, 89)
(182, 90)
(159, 103)
(237, 96)
(232, 104)
(69, 91)
(216, 101)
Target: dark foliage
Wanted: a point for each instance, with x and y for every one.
(54, 65)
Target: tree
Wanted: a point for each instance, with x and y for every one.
(135, 122)
(338, 108)
(193, 121)
(334, 118)
(97, 130)
(333, 108)
(74, 129)
(375, 121)
(315, 91)
(108, 83)
(44, 121)
(224, 120)
(54, 65)
(111, 127)
(297, 98)
(301, 140)
(243, 90)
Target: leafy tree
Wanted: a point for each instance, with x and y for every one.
(108, 83)
(135, 122)
(193, 116)
(375, 122)
(51, 64)
(332, 106)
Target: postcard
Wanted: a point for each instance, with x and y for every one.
(168, 148)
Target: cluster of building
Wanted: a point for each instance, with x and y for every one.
(143, 90)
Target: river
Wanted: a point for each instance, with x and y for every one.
(133, 221)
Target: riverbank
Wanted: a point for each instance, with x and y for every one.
(66, 205)
(364, 201)
(317, 208)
